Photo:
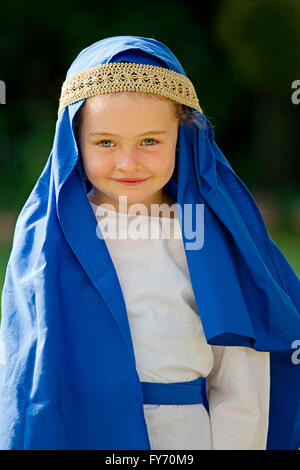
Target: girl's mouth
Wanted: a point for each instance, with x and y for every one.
(130, 181)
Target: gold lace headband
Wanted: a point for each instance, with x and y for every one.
(113, 77)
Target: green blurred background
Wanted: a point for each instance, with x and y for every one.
(242, 57)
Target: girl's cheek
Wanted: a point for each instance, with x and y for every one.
(98, 164)
(161, 160)
(155, 159)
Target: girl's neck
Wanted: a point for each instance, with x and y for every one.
(162, 198)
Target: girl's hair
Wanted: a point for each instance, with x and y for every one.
(185, 115)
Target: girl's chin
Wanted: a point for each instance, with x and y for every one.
(130, 195)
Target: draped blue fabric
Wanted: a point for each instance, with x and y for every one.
(68, 375)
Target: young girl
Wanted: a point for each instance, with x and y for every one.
(145, 305)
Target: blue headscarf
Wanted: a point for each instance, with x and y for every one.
(68, 375)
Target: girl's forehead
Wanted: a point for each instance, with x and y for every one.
(136, 114)
(143, 103)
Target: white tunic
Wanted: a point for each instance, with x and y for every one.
(170, 346)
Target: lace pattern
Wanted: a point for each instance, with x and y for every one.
(114, 77)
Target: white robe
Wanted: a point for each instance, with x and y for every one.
(170, 345)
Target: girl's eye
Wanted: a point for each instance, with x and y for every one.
(151, 140)
(104, 142)
(107, 143)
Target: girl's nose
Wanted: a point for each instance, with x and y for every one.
(128, 160)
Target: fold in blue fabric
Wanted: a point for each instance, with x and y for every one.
(68, 375)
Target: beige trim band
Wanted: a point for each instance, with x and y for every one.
(113, 77)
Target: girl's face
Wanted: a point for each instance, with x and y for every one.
(128, 135)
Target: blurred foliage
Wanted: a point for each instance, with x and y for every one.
(240, 55)
(263, 42)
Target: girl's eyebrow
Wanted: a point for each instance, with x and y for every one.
(97, 134)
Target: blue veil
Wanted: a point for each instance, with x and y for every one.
(68, 378)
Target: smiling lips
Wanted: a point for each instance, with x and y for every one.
(131, 181)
